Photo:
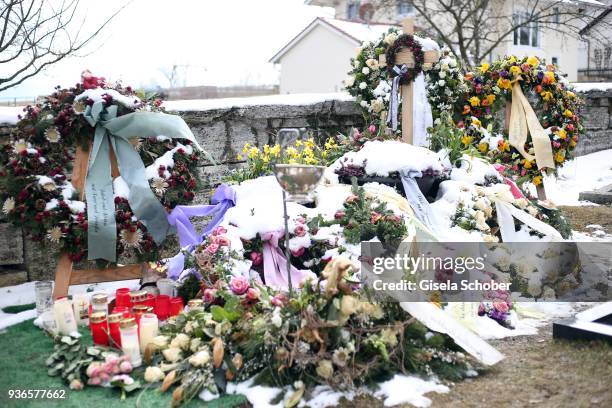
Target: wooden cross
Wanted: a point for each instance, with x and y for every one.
(405, 57)
(64, 274)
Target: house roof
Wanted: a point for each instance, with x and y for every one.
(353, 31)
(596, 21)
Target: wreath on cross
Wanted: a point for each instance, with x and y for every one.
(406, 74)
(35, 168)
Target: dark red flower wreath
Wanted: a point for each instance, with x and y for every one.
(405, 41)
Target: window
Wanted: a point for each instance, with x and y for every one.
(556, 15)
(555, 61)
(607, 55)
(597, 57)
(404, 7)
(352, 10)
(526, 33)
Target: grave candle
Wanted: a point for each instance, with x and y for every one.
(150, 300)
(80, 304)
(64, 316)
(139, 310)
(99, 328)
(124, 310)
(114, 321)
(99, 303)
(176, 306)
(162, 306)
(148, 329)
(122, 297)
(138, 297)
(166, 286)
(129, 341)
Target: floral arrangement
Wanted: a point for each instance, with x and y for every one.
(260, 162)
(79, 365)
(445, 86)
(549, 93)
(36, 191)
(367, 81)
(409, 74)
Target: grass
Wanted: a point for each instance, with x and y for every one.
(19, 308)
(23, 350)
(581, 216)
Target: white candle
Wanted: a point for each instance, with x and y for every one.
(148, 329)
(80, 304)
(64, 316)
(129, 341)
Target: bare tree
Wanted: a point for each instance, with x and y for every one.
(473, 29)
(37, 33)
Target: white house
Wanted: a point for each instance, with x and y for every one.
(564, 49)
(318, 59)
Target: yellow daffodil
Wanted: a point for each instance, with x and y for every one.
(491, 99)
(533, 61)
(560, 156)
(484, 67)
(476, 122)
(266, 149)
(239, 157)
(310, 143)
(298, 143)
(475, 101)
(246, 148)
(515, 70)
(504, 83)
(570, 94)
(466, 140)
(483, 147)
(253, 152)
(275, 151)
(292, 152)
(537, 180)
(568, 113)
(527, 164)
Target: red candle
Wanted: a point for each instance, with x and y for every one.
(176, 305)
(162, 306)
(150, 300)
(122, 297)
(114, 321)
(138, 297)
(124, 310)
(99, 328)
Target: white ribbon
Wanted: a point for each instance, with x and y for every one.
(505, 218)
(421, 113)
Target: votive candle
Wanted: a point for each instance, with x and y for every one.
(129, 341)
(148, 329)
(80, 304)
(98, 325)
(64, 316)
(114, 321)
(122, 297)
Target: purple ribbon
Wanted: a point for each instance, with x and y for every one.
(223, 199)
(275, 264)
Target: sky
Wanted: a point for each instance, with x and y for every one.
(213, 42)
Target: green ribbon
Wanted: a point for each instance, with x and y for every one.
(117, 131)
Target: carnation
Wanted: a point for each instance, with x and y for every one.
(200, 358)
(153, 374)
(180, 341)
(172, 354)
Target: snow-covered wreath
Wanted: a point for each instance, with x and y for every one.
(36, 190)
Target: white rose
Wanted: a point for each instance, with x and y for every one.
(180, 341)
(372, 64)
(453, 63)
(153, 374)
(521, 203)
(442, 74)
(172, 354)
(277, 320)
(441, 82)
(195, 344)
(349, 81)
(390, 39)
(365, 70)
(481, 222)
(160, 341)
(200, 358)
(364, 104)
(377, 105)
(363, 85)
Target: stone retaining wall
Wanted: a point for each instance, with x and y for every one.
(223, 131)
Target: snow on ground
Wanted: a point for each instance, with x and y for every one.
(24, 294)
(583, 173)
(592, 86)
(8, 114)
(227, 103)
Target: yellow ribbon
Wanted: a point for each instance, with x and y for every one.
(523, 120)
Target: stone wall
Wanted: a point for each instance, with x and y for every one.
(223, 131)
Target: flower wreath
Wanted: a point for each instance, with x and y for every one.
(549, 93)
(405, 41)
(36, 192)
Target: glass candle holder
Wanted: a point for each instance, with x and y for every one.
(99, 303)
(122, 298)
(195, 304)
(150, 300)
(124, 310)
(114, 331)
(147, 329)
(129, 341)
(162, 306)
(176, 306)
(80, 304)
(166, 287)
(139, 310)
(64, 316)
(44, 296)
(138, 297)
(98, 324)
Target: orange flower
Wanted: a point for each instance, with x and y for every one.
(503, 146)
(491, 99)
(527, 164)
(466, 109)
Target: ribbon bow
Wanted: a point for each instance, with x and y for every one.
(114, 131)
(223, 199)
(394, 103)
(275, 264)
(523, 120)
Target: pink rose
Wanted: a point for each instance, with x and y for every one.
(500, 306)
(357, 135)
(339, 215)
(210, 295)
(300, 231)
(300, 220)
(239, 285)
(375, 217)
(279, 300)
(220, 240)
(212, 248)
(252, 294)
(125, 367)
(256, 257)
(372, 129)
(298, 252)
(94, 381)
(219, 230)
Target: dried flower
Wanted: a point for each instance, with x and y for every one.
(218, 352)
(159, 186)
(168, 381)
(340, 357)
(172, 354)
(325, 369)
(131, 239)
(52, 134)
(55, 234)
(200, 358)
(8, 206)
